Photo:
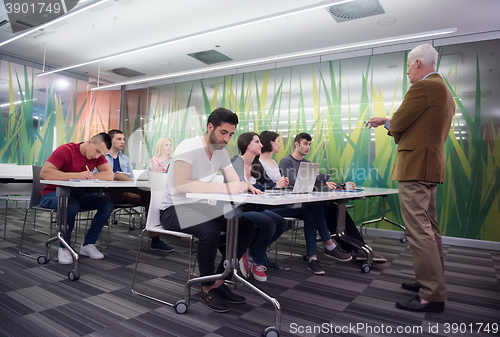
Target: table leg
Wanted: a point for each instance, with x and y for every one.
(367, 265)
(232, 214)
(62, 194)
(384, 218)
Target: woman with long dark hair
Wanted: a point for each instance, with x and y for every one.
(269, 224)
(312, 214)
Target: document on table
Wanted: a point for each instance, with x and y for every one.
(91, 181)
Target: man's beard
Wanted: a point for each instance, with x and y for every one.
(213, 143)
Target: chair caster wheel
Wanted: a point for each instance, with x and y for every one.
(114, 222)
(270, 331)
(42, 259)
(403, 239)
(131, 227)
(366, 267)
(73, 276)
(180, 307)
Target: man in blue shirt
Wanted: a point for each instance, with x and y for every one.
(122, 169)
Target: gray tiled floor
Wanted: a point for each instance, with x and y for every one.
(39, 300)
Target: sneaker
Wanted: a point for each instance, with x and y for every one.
(64, 256)
(259, 272)
(315, 267)
(161, 246)
(362, 256)
(338, 254)
(91, 251)
(227, 295)
(245, 266)
(213, 300)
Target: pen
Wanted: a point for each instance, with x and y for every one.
(87, 168)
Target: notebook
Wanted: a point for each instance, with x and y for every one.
(306, 178)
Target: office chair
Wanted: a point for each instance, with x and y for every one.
(157, 183)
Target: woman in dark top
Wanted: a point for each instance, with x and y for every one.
(269, 224)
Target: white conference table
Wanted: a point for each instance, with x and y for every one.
(63, 191)
(16, 178)
(233, 212)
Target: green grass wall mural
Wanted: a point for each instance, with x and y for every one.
(39, 116)
(331, 100)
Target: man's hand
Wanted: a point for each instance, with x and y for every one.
(236, 187)
(375, 122)
(85, 175)
(122, 177)
(331, 185)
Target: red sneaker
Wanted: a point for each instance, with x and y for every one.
(259, 273)
(245, 266)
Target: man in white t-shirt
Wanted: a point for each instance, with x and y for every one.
(194, 165)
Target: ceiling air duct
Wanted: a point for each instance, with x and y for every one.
(353, 10)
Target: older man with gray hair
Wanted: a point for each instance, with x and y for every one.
(420, 127)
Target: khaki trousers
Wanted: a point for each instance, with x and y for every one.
(418, 208)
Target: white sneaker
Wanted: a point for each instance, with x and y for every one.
(91, 251)
(64, 256)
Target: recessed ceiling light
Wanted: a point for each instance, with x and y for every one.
(164, 63)
(386, 21)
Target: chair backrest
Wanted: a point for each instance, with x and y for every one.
(16, 171)
(36, 192)
(158, 184)
(140, 175)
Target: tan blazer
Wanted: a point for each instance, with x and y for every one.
(420, 127)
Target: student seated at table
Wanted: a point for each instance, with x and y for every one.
(311, 213)
(289, 166)
(269, 225)
(163, 156)
(122, 168)
(194, 165)
(77, 161)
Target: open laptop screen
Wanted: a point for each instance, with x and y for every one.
(306, 177)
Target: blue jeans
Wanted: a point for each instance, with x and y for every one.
(271, 226)
(314, 220)
(102, 203)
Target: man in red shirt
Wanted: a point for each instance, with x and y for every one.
(76, 161)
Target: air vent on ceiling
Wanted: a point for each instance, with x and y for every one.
(126, 72)
(38, 33)
(355, 10)
(24, 25)
(210, 56)
(4, 22)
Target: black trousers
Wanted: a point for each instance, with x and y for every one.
(206, 222)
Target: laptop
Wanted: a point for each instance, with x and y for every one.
(306, 178)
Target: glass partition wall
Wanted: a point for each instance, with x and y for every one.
(331, 100)
(41, 113)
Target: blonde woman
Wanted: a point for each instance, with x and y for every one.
(163, 156)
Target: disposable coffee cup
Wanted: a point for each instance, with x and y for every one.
(349, 186)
